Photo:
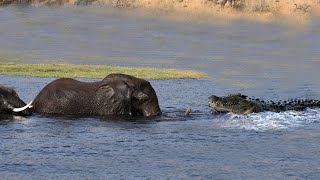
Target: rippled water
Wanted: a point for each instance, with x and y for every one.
(270, 61)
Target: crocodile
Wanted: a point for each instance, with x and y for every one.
(241, 104)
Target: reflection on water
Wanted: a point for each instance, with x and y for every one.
(269, 61)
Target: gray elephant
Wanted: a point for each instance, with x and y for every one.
(116, 94)
(11, 104)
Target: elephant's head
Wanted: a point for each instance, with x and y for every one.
(145, 101)
(10, 103)
(143, 98)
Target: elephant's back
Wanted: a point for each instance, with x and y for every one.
(59, 95)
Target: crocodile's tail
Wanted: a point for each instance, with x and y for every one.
(300, 105)
(309, 103)
(285, 105)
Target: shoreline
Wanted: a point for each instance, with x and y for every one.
(286, 11)
(95, 71)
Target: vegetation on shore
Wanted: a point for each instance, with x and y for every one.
(294, 11)
(261, 10)
(92, 71)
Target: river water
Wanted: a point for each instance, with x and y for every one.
(270, 61)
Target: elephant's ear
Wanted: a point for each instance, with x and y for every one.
(140, 96)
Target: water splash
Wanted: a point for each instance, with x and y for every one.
(265, 121)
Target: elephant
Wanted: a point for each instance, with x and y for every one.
(11, 104)
(115, 95)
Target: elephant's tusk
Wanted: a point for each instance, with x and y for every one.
(23, 108)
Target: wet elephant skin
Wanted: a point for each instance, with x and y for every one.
(116, 94)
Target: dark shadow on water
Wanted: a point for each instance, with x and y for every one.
(110, 118)
(171, 115)
(5, 119)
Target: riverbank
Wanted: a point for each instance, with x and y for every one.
(288, 11)
(90, 71)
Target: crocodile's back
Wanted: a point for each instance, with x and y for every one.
(240, 104)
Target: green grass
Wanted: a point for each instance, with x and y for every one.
(90, 71)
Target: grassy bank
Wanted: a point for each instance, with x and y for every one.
(89, 71)
(289, 11)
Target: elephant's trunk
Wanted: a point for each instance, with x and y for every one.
(23, 108)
